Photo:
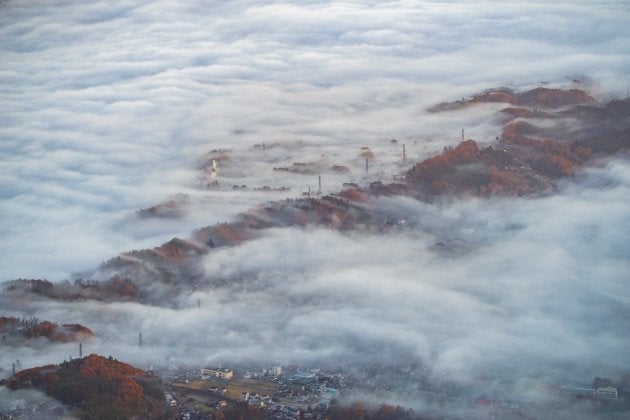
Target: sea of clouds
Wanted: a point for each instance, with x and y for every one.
(107, 108)
(473, 290)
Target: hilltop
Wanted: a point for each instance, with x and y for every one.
(97, 387)
(535, 150)
(20, 331)
(539, 97)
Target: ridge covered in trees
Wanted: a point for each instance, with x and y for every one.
(528, 158)
(18, 331)
(97, 387)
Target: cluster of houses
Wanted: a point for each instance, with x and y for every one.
(311, 390)
(303, 388)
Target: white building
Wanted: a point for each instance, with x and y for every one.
(275, 371)
(217, 373)
(577, 392)
(607, 393)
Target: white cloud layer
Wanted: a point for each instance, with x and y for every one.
(105, 107)
(524, 288)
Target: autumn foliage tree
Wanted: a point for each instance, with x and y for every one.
(360, 411)
(99, 387)
(32, 328)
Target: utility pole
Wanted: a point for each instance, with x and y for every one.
(140, 339)
(319, 180)
(13, 368)
(366, 166)
(462, 134)
(80, 349)
(404, 153)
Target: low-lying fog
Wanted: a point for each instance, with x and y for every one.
(501, 287)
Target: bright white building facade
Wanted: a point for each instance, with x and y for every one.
(217, 373)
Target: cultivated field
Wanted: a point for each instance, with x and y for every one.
(260, 387)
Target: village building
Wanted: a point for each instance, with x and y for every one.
(607, 393)
(303, 379)
(577, 392)
(217, 373)
(276, 371)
